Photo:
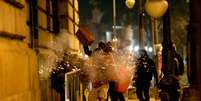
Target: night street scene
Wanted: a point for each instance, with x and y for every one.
(100, 50)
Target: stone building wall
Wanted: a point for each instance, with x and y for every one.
(18, 62)
(25, 48)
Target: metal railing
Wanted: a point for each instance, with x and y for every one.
(73, 89)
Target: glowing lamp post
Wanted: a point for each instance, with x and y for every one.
(130, 3)
(156, 8)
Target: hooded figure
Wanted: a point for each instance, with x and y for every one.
(145, 70)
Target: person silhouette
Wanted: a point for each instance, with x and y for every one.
(145, 70)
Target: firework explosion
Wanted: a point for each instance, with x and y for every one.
(110, 65)
(105, 63)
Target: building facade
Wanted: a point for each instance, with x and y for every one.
(27, 27)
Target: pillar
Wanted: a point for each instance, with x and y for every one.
(194, 34)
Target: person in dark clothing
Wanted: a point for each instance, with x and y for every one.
(112, 92)
(114, 95)
(169, 84)
(178, 63)
(145, 70)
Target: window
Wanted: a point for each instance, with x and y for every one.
(68, 12)
(17, 3)
(45, 15)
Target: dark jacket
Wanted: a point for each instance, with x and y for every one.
(146, 69)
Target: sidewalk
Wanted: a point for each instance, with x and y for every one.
(132, 95)
(152, 99)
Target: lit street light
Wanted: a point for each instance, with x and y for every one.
(130, 3)
(156, 8)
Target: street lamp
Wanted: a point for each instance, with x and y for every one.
(130, 3)
(156, 8)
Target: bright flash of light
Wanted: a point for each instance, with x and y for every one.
(146, 48)
(136, 48)
(131, 48)
(150, 49)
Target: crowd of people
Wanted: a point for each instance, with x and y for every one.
(108, 82)
(144, 70)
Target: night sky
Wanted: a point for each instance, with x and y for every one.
(106, 7)
(179, 14)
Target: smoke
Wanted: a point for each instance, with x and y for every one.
(50, 60)
(103, 65)
(113, 66)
